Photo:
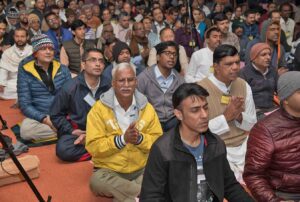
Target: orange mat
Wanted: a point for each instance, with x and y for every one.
(65, 182)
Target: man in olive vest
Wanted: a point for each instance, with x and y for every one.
(72, 50)
(231, 107)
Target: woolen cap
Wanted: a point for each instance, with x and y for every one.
(40, 41)
(288, 84)
(118, 47)
(257, 48)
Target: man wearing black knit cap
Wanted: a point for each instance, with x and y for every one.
(121, 53)
(272, 161)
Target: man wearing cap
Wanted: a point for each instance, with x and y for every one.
(12, 18)
(34, 25)
(272, 159)
(121, 53)
(40, 77)
(261, 77)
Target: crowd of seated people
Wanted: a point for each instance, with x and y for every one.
(202, 81)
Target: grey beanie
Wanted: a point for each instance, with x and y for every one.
(288, 83)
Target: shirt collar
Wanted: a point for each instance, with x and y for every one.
(117, 104)
(265, 73)
(159, 75)
(222, 86)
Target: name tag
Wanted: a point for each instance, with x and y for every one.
(225, 99)
(250, 37)
(200, 178)
(89, 99)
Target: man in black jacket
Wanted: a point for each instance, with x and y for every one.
(189, 162)
(72, 104)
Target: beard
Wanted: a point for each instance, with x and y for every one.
(21, 44)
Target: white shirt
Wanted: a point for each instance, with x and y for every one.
(125, 118)
(199, 66)
(219, 125)
(288, 28)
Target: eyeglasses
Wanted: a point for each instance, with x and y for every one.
(129, 80)
(169, 53)
(94, 60)
(52, 20)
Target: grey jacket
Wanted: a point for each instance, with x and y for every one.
(162, 102)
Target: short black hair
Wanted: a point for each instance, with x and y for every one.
(286, 4)
(47, 14)
(222, 51)
(21, 29)
(165, 29)
(76, 24)
(250, 11)
(186, 90)
(164, 45)
(19, 3)
(228, 9)
(3, 20)
(220, 17)
(155, 9)
(86, 53)
(271, 13)
(210, 30)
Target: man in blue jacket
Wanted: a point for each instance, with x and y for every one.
(56, 32)
(72, 104)
(40, 77)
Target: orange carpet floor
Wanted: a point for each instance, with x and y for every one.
(65, 182)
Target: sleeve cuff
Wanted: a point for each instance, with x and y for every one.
(141, 138)
(119, 141)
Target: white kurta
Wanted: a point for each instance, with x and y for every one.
(9, 63)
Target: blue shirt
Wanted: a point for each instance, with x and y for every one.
(163, 82)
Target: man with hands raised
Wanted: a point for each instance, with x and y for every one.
(121, 128)
(232, 110)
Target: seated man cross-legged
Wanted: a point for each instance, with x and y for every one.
(72, 104)
(121, 128)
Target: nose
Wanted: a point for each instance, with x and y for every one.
(204, 113)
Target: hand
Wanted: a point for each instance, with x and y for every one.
(234, 108)
(2, 89)
(131, 134)
(282, 70)
(48, 122)
(78, 132)
(80, 139)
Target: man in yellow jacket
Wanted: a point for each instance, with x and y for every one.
(121, 128)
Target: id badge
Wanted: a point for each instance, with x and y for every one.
(250, 37)
(89, 99)
(225, 99)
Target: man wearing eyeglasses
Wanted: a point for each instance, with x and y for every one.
(56, 33)
(121, 128)
(159, 81)
(71, 105)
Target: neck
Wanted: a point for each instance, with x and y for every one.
(44, 65)
(164, 71)
(210, 48)
(125, 102)
(227, 83)
(261, 69)
(291, 111)
(271, 44)
(189, 137)
(92, 81)
(78, 40)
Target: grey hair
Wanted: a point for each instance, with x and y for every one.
(122, 66)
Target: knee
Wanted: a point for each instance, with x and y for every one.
(26, 131)
(66, 150)
(99, 187)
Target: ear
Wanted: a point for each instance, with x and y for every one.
(82, 65)
(157, 57)
(178, 114)
(286, 102)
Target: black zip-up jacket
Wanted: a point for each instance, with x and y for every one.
(171, 171)
(69, 109)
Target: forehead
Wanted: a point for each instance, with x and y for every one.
(214, 34)
(229, 59)
(20, 32)
(167, 32)
(193, 101)
(265, 51)
(95, 54)
(125, 72)
(171, 49)
(274, 26)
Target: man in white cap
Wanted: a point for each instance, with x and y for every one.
(40, 77)
(272, 160)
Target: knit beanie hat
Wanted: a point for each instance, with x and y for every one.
(257, 48)
(288, 83)
(118, 47)
(13, 13)
(33, 17)
(40, 41)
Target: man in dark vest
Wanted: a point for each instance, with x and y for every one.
(72, 50)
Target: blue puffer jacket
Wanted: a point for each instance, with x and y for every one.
(33, 95)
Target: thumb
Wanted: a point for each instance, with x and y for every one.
(132, 125)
